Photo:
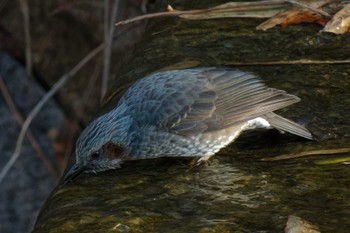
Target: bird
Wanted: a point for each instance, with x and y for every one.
(181, 113)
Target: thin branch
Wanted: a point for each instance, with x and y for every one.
(292, 62)
(109, 32)
(106, 57)
(71, 131)
(12, 106)
(28, 43)
(106, 40)
(308, 153)
(41, 103)
(244, 6)
(162, 14)
(90, 87)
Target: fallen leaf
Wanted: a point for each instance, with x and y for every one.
(340, 23)
(297, 15)
(296, 224)
(292, 17)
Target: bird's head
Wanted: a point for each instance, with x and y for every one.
(103, 145)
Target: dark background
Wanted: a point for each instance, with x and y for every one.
(62, 32)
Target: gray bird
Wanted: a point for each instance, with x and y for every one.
(181, 113)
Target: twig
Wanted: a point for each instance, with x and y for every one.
(299, 4)
(19, 119)
(293, 62)
(171, 12)
(90, 87)
(106, 40)
(41, 103)
(158, 14)
(71, 131)
(28, 43)
(308, 153)
(109, 31)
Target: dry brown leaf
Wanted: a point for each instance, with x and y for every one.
(296, 16)
(296, 224)
(257, 9)
(340, 23)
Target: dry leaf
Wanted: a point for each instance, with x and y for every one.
(296, 16)
(306, 12)
(296, 224)
(340, 23)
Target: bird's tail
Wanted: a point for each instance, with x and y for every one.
(284, 124)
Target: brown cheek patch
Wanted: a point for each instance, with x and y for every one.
(113, 151)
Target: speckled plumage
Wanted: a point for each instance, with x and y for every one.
(192, 112)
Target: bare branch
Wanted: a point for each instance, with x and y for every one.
(109, 31)
(41, 103)
(292, 62)
(28, 43)
(12, 106)
(90, 87)
(237, 6)
(308, 153)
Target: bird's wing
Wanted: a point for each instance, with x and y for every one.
(176, 100)
(242, 97)
(192, 101)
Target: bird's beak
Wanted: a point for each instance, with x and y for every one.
(73, 173)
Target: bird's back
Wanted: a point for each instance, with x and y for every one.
(197, 106)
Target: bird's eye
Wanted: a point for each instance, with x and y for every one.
(95, 155)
